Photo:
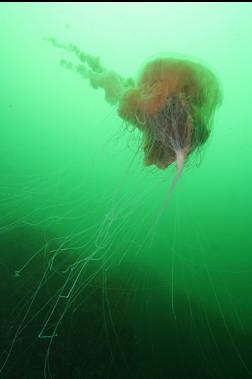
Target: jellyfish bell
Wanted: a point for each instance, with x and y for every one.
(172, 103)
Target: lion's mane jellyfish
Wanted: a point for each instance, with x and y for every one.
(172, 103)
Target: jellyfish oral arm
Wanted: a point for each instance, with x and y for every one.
(90, 68)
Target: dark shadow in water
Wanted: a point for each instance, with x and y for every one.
(121, 326)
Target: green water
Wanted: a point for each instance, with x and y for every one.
(70, 172)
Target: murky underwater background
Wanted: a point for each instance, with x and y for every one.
(83, 253)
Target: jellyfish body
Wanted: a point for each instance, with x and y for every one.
(172, 103)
